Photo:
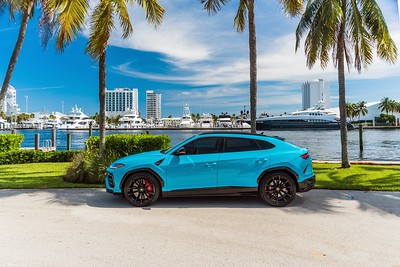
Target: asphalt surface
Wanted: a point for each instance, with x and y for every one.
(88, 227)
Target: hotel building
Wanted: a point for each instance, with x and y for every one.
(120, 101)
(153, 105)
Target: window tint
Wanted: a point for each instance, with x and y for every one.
(202, 146)
(240, 144)
(265, 145)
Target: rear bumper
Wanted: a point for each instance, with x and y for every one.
(307, 185)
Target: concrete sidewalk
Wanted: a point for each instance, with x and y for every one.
(88, 227)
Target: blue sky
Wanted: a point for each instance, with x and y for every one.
(192, 58)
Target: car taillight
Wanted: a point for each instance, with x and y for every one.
(305, 156)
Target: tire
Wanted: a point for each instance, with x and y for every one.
(141, 189)
(277, 189)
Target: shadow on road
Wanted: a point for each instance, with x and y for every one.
(315, 201)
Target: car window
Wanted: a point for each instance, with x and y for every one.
(240, 144)
(264, 144)
(202, 146)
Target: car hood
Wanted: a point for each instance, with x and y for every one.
(142, 158)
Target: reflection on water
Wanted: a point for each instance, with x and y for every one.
(323, 145)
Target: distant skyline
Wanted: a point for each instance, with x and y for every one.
(191, 58)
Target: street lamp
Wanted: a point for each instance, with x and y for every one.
(26, 104)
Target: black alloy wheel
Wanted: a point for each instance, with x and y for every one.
(141, 189)
(277, 189)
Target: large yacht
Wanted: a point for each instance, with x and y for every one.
(131, 120)
(316, 117)
(76, 120)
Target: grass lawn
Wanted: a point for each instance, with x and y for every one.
(358, 177)
(329, 176)
(36, 175)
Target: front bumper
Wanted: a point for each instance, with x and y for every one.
(307, 184)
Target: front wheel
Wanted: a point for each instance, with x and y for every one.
(141, 189)
(277, 189)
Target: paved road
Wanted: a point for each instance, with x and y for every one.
(88, 227)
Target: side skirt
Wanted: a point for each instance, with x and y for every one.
(222, 191)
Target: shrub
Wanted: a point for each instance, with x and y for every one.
(9, 142)
(35, 156)
(128, 144)
(89, 167)
(385, 118)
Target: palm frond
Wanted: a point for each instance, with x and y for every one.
(241, 16)
(154, 12)
(213, 6)
(124, 20)
(292, 7)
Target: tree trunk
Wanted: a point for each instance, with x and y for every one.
(253, 66)
(102, 100)
(17, 50)
(342, 95)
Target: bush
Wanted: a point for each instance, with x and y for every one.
(35, 156)
(385, 118)
(9, 142)
(128, 144)
(89, 167)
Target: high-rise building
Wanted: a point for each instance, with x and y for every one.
(9, 104)
(315, 93)
(153, 105)
(120, 101)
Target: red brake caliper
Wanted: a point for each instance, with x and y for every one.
(149, 187)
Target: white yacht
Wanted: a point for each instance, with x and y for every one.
(316, 117)
(131, 120)
(76, 120)
(206, 121)
(186, 121)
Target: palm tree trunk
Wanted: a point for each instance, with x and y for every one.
(253, 66)
(17, 50)
(102, 100)
(342, 94)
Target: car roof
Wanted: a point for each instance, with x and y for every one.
(233, 133)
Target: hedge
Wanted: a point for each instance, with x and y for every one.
(9, 142)
(128, 144)
(35, 156)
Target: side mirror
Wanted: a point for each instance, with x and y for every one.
(181, 151)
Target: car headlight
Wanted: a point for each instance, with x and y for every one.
(116, 165)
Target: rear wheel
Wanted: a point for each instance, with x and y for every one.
(277, 189)
(141, 189)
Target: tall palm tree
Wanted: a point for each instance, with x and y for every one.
(246, 13)
(101, 26)
(344, 26)
(26, 9)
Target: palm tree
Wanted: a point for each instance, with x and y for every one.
(350, 110)
(26, 8)
(344, 26)
(70, 20)
(384, 105)
(362, 109)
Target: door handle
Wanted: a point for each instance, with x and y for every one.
(211, 164)
(262, 160)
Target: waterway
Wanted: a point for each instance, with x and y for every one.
(379, 144)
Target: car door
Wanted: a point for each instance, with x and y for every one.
(193, 168)
(241, 162)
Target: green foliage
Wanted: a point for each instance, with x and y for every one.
(35, 156)
(88, 167)
(385, 118)
(128, 144)
(9, 142)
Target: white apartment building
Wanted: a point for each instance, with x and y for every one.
(315, 92)
(9, 104)
(120, 101)
(153, 105)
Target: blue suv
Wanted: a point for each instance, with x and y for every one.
(215, 163)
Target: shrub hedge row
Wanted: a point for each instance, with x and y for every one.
(34, 156)
(9, 142)
(128, 144)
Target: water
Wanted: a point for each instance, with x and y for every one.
(379, 145)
